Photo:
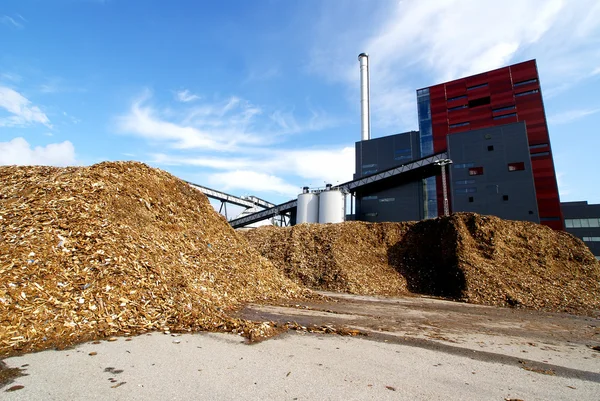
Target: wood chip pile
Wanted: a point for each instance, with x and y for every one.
(119, 248)
(478, 259)
(346, 257)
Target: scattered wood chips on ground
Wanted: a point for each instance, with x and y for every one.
(120, 248)
(467, 257)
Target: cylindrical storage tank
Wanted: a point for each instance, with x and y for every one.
(332, 206)
(307, 208)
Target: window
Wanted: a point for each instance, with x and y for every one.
(457, 98)
(371, 214)
(482, 101)
(527, 93)
(505, 197)
(471, 199)
(476, 171)
(518, 166)
(369, 165)
(470, 88)
(504, 109)
(424, 91)
(371, 197)
(490, 148)
(540, 154)
(464, 165)
(367, 172)
(464, 106)
(529, 81)
(531, 212)
(402, 154)
(387, 199)
(469, 190)
(464, 182)
(591, 239)
(505, 116)
(541, 145)
(592, 222)
(459, 124)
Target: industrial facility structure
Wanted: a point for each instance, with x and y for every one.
(482, 146)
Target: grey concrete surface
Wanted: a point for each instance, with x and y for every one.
(290, 367)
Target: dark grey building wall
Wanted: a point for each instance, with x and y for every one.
(398, 203)
(583, 221)
(497, 191)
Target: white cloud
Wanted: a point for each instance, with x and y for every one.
(294, 167)
(186, 96)
(252, 181)
(6, 20)
(21, 110)
(428, 42)
(571, 115)
(19, 152)
(224, 125)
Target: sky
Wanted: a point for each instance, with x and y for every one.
(262, 97)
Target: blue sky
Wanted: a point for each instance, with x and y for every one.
(262, 97)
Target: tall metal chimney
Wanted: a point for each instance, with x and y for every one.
(365, 127)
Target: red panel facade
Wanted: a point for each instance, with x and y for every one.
(502, 96)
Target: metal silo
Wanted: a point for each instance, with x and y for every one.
(332, 205)
(308, 207)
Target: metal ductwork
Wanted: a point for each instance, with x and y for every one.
(365, 127)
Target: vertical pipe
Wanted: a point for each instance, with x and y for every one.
(445, 189)
(365, 127)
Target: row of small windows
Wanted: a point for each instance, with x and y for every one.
(540, 154)
(591, 239)
(516, 166)
(505, 116)
(367, 172)
(541, 145)
(459, 124)
(504, 198)
(504, 109)
(582, 223)
(516, 85)
(531, 92)
(529, 81)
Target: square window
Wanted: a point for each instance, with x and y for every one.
(593, 222)
(504, 197)
(476, 171)
(531, 212)
(470, 199)
(568, 223)
(490, 148)
(518, 166)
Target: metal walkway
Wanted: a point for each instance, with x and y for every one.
(425, 166)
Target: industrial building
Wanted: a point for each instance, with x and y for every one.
(482, 146)
(491, 99)
(583, 221)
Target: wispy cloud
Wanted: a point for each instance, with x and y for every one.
(222, 125)
(248, 180)
(417, 40)
(571, 115)
(20, 110)
(12, 22)
(186, 96)
(18, 151)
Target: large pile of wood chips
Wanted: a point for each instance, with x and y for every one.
(119, 248)
(468, 257)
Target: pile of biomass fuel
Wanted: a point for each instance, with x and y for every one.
(119, 248)
(348, 257)
(468, 257)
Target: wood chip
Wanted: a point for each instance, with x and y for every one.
(107, 264)
(466, 256)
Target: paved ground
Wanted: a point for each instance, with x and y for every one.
(417, 349)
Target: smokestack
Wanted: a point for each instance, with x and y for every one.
(365, 127)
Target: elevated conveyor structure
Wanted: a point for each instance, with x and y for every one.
(415, 170)
(246, 201)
